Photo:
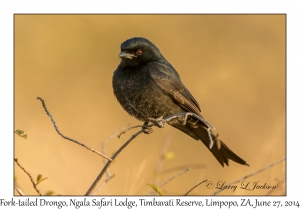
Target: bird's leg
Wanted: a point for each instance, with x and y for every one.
(158, 121)
(146, 128)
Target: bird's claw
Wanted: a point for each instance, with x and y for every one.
(147, 129)
(158, 121)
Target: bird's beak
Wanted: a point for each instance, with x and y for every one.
(126, 55)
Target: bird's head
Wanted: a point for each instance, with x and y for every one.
(138, 51)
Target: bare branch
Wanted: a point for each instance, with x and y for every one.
(102, 184)
(160, 122)
(161, 159)
(19, 190)
(252, 174)
(68, 138)
(109, 176)
(176, 168)
(195, 187)
(109, 162)
(171, 178)
(29, 175)
(279, 184)
(128, 129)
(103, 148)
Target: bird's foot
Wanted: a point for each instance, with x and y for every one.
(158, 121)
(147, 129)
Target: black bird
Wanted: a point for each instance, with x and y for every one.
(148, 87)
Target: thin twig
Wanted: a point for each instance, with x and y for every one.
(68, 138)
(29, 175)
(157, 122)
(279, 184)
(109, 176)
(173, 177)
(128, 129)
(19, 190)
(103, 183)
(252, 174)
(176, 168)
(161, 159)
(170, 179)
(109, 162)
(195, 187)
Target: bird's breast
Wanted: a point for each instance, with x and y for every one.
(139, 95)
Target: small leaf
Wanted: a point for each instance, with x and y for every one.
(19, 132)
(155, 188)
(40, 178)
(169, 155)
(50, 192)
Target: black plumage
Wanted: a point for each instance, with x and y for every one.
(148, 87)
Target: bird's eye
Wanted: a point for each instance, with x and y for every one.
(139, 52)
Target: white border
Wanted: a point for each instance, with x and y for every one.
(8, 8)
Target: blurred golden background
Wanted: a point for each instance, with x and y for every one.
(234, 65)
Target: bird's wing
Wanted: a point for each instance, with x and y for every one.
(170, 83)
